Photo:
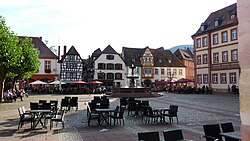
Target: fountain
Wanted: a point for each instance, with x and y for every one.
(132, 90)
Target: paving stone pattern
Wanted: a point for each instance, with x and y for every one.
(194, 111)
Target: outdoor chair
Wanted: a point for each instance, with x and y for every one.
(212, 132)
(34, 106)
(91, 108)
(132, 107)
(123, 101)
(154, 116)
(74, 102)
(144, 114)
(172, 112)
(24, 117)
(54, 105)
(118, 115)
(65, 103)
(92, 114)
(148, 136)
(58, 117)
(228, 127)
(45, 106)
(173, 135)
(42, 101)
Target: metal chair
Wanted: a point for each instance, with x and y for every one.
(148, 136)
(118, 115)
(212, 132)
(74, 102)
(173, 135)
(173, 110)
(58, 117)
(228, 127)
(24, 117)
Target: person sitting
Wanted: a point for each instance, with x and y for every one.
(6, 96)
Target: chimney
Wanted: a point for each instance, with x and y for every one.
(41, 38)
(64, 51)
(59, 52)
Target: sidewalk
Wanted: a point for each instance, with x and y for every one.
(194, 111)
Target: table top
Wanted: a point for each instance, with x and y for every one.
(39, 111)
(105, 110)
(233, 135)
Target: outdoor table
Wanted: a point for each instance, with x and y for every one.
(104, 115)
(161, 111)
(233, 135)
(39, 115)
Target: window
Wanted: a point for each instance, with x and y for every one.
(223, 78)
(215, 39)
(101, 66)
(205, 79)
(174, 72)
(204, 58)
(162, 72)
(118, 66)
(198, 42)
(199, 79)
(110, 76)
(198, 59)
(224, 56)
(232, 78)
(216, 23)
(148, 71)
(180, 71)
(202, 28)
(110, 57)
(234, 35)
(47, 66)
(233, 16)
(101, 75)
(156, 72)
(234, 55)
(224, 36)
(216, 57)
(147, 59)
(215, 78)
(169, 72)
(118, 76)
(204, 41)
(110, 66)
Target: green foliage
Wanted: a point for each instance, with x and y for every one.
(18, 56)
(9, 50)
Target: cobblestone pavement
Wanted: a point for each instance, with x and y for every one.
(194, 111)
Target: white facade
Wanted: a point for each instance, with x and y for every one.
(102, 59)
(165, 73)
(55, 67)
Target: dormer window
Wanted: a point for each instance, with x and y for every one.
(203, 26)
(233, 14)
(217, 22)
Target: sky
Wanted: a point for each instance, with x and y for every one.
(92, 24)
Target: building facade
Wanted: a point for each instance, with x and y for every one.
(153, 64)
(71, 66)
(216, 51)
(187, 58)
(106, 66)
(49, 68)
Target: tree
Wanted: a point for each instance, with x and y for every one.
(29, 61)
(18, 57)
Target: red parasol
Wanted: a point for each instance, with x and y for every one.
(184, 80)
(78, 82)
(95, 82)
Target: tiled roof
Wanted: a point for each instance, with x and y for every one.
(224, 15)
(132, 56)
(45, 52)
(183, 54)
(71, 51)
(165, 58)
(109, 50)
(162, 58)
(96, 53)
